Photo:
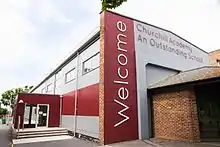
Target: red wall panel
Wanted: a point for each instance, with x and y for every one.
(87, 101)
(120, 90)
(52, 100)
(68, 102)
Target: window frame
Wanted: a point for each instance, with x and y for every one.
(83, 72)
(218, 62)
(58, 75)
(65, 79)
(43, 90)
(48, 88)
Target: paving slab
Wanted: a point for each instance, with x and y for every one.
(148, 143)
(4, 136)
(136, 143)
(167, 143)
(73, 142)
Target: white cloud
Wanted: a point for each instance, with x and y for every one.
(36, 35)
(13, 29)
(47, 11)
(17, 45)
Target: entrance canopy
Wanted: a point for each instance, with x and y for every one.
(37, 110)
(202, 74)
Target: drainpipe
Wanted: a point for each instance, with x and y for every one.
(76, 94)
(19, 122)
(61, 97)
(55, 80)
(25, 104)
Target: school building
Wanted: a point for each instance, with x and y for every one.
(129, 80)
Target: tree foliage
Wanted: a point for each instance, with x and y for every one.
(111, 4)
(3, 111)
(8, 97)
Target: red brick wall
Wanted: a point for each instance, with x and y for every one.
(214, 56)
(175, 116)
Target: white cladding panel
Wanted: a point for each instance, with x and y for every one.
(38, 90)
(47, 87)
(68, 122)
(91, 129)
(88, 125)
(162, 48)
(156, 73)
(50, 85)
(84, 80)
(61, 86)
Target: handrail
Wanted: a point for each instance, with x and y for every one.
(19, 122)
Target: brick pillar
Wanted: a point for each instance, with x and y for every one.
(101, 81)
(213, 57)
(175, 116)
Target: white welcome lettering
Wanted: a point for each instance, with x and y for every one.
(122, 72)
(121, 113)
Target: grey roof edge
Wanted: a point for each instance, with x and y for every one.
(39, 94)
(185, 83)
(157, 28)
(153, 87)
(217, 50)
(206, 66)
(90, 39)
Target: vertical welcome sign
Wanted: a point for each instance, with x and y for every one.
(118, 92)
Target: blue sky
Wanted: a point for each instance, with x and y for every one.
(36, 35)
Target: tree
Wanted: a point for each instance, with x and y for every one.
(8, 97)
(111, 4)
(3, 111)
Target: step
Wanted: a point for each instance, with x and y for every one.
(19, 142)
(43, 132)
(41, 135)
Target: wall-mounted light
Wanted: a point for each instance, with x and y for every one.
(21, 102)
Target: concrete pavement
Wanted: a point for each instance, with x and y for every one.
(60, 143)
(68, 141)
(82, 143)
(40, 139)
(136, 143)
(166, 143)
(4, 136)
(148, 143)
(73, 142)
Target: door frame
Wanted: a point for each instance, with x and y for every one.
(30, 116)
(48, 108)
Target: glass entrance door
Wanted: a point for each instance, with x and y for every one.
(43, 115)
(209, 119)
(208, 104)
(30, 116)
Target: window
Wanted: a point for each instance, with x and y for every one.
(49, 88)
(70, 75)
(43, 90)
(58, 75)
(91, 63)
(218, 62)
(27, 114)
